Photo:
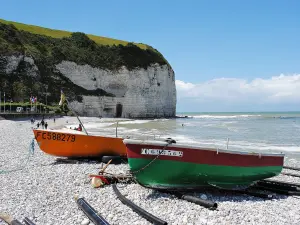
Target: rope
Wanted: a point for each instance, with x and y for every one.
(21, 167)
(152, 161)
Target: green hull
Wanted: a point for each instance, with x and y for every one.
(177, 175)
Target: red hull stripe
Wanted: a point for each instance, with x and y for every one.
(207, 157)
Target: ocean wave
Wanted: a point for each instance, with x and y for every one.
(225, 116)
(244, 135)
(179, 138)
(287, 117)
(97, 125)
(135, 122)
(160, 120)
(188, 124)
(255, 115)
(297, 126)
(223, 124)
(235, 145)
(265, 148)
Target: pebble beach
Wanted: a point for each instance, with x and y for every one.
(38, 187)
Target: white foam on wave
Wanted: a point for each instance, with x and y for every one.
(128, 132)
(67, 130)
(135, 122)
(223, 125)
(189, 124)
(297, 126)
(180, 138)
(160, 120)
(97, 125)
(243, 145)
(88, 125)
(233, 145)
(262, 146)
(233, 129)
(224, 116)
(230, 122)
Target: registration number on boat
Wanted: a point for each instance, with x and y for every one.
(56, 136)
(149, 151)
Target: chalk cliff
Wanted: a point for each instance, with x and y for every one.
(136, 82)
(138, 93)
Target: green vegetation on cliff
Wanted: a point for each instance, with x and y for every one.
(49, 47)
(61, 34)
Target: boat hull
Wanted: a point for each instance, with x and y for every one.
(65, 144)
(181, 167)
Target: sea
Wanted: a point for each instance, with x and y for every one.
(264, 132)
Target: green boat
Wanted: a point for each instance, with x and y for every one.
(167, 165)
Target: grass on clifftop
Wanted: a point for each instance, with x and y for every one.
(61, 34)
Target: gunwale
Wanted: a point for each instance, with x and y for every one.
(85, 146)
(162, 144)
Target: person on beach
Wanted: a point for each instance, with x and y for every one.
(54, 119)
(79, 128)
(46, 125)
(43, 123)
(38, 125)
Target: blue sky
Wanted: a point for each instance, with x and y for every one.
(244, 43)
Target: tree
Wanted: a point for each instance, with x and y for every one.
(19, 91)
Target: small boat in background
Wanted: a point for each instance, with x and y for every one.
(168, 165)
(78, 144)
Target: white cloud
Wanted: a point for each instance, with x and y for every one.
(275, 90)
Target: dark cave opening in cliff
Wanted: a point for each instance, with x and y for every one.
(119, 108)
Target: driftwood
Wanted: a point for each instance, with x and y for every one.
(110, 175)
(104, 168)
(9, 220)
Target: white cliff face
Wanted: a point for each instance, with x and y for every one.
(139, 93)
(11, 63)
(32, 69)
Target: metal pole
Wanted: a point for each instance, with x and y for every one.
(46, 99)
(46, 94)
(4, 102)
(0, 101)
(117, 129)
(10, 107)
(46, 87)
(76, 116)
(227, 143)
